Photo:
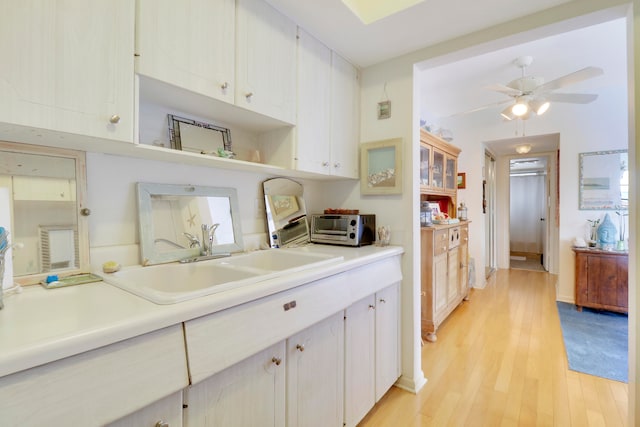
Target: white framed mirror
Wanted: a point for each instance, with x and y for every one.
(46, 192)
(604, 180)
(171, 218)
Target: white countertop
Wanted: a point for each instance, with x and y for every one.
(41, 325)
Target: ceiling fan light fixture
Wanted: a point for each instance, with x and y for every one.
(523, 148)
(539, 106)
(507, 114)
(520, 108)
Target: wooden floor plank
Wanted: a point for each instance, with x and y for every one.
(500, 361)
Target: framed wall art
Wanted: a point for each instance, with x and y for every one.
(462, 180)
(381, 167)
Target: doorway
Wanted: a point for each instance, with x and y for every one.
(528, 213)
(488, 209)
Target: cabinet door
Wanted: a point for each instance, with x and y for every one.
(165, 411)
(265, 60)
(315, 374)
(250, 393)
(359, 360)
(67, 66)
(425, 165)
(387, 339)
(451, 174)
(453, 286)
(437, 173)
(440, 285)
(190, 45)
(345, 118)
(314, 105)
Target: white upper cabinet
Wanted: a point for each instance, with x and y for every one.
(345, 119)
(265, 60)
(314, 105)
(189, 45)
(67, 66)
(327, 127)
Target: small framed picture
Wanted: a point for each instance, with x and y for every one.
(435, 209)
(384, 110)
(462, 180)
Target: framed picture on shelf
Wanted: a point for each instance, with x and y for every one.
(381, 167)
(462, 180)
(435, 209)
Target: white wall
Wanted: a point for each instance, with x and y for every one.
(113, 229)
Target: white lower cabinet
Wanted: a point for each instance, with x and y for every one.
(165, 412)
(315, 374)
(249, 393)
(254, 393)
(372, 355)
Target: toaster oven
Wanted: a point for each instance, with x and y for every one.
(343, 229)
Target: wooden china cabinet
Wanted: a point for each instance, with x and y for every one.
(444, 248)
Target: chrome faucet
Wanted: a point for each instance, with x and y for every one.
(193, 240)
(208, 237)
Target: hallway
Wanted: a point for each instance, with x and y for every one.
(500, 361)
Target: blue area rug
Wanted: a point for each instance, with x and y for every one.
(596, 341)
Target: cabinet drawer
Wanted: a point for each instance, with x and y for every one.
(222, 339)
(98, 386)
(440, 242)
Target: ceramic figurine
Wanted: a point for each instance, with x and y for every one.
(607, 233)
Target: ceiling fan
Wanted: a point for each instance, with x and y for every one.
(531, 95)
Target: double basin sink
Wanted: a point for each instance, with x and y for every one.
(176, 282)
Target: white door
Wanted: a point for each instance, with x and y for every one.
(315, 375)
(224, 398)
(345, 90)
(265, 60)
(192, 47)
(67, 66)
(387, 338)
(359, 360)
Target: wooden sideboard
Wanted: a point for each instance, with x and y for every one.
(602, 279)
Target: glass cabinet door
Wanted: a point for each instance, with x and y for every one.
(425, 159)
(438, 170)
(451, 177)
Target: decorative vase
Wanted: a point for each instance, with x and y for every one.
(607, 233)
(620, 245)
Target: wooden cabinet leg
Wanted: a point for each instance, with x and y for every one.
(431, 337)
(579, 307)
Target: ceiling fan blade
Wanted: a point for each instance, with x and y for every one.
(569, 79)
(572, 98)
(483, 107)
(504, 89)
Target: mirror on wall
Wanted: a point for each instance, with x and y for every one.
(286, 213)
(604, 180)
(171, 218)
(44, 190)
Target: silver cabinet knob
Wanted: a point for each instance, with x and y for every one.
(300, 347)
(224, 86)
(248, 96)
(336, 165)
(276, 360)
(372, 307)
(161, 424)
(325, 164)
(383, 301)
(114, 119)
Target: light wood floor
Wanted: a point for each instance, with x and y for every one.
(500, 361)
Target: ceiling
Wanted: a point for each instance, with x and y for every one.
(422, 25)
